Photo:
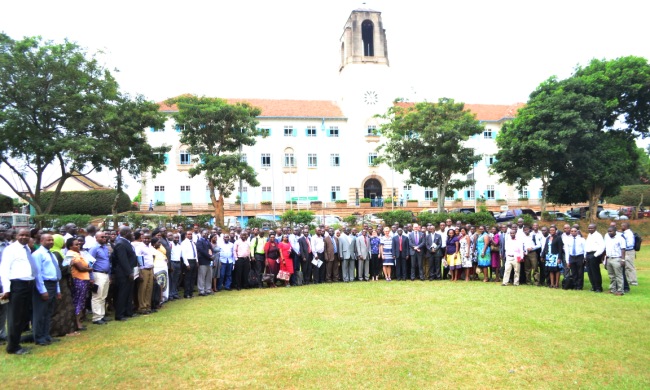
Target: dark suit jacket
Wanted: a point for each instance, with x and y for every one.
(123, 258)
(557, 247)
(434, 238)
(329, 248)
(202, 251)
(405, 247)
(420, 244)
(304, 248)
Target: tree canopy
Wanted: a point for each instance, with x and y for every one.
(52, 100)
(214, 132)
(426, 139)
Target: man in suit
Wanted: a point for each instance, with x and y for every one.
(362, 249)
(204, 256)
(434, 248)
(306, 255)
(400, 250)
(416, 251)
(123, 261)
(331, 256)
(346, 253)
(502, 248)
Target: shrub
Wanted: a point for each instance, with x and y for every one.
(476, 219)
(266, 203)
(302, 217)
(316, 203)
(528, 219)
(186, 204)
(52, 221)
(341, 201)
(292, 202)
(522, 199)
(434, 200)
(255, 222)
(364, 200)
(460, 200)
(412, 201)
(546, 216)
(6, 204)
(159, 203)
(501, 201)
(631, 196)
(400, 216)
(96, 202)
(350, 220)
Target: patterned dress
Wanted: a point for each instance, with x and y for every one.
(552, 265)
(453, 261)
(387, 250)
(483, 261)
(465, 256)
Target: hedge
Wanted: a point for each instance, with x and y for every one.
(6, 204)
(475, 219)
(51, 221)
(631, 195)
(96, 202)
(400, 216)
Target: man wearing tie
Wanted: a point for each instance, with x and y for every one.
(576, 249)
(123, 261)
(434, 247)
(188, 253)
(416, 241)
(400, 249)
(346, 253)
(594, 249)
(331, 257)
(362, 249)
(18, 271)
(47, 288)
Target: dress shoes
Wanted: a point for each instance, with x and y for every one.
(106, 319)
(21, 351)
(100, 322)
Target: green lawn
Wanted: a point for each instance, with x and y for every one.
(363, 335)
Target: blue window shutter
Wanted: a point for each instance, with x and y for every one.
(152, 129)
(485, 194)
(496, 194)
(295, 132)
(166, 158)
(307, 132)
(328, 132)
(269, 130)
(178, 128)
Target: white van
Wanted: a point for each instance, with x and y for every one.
(14, 220)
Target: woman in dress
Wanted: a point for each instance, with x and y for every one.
(483, 252)
(286, 264)
(464, 246)
(80, 278)
(495, 252)
(552, 253)
(375, 264)
(452, 258)
(216, 263)
(473, 237)
(272, 254)
(63, 322)
(386, 253)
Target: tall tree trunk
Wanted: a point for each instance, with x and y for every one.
(442, 190)
(594, 195)
(217, 204)
(118, 178)
(544, 194)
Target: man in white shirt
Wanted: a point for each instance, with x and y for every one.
(575, 247)
(594, 249)
(227, 260)
(531, 244)
(630, 255)
(91, 241)
(145, 284)
(615, 260)
(318, 249)
(175, 264)
(295, 254)
(189, 257)
(18, 271)
(514, 250)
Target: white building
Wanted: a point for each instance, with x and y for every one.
(325, 150)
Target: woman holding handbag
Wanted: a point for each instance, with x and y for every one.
(272, 254)
(286, 263)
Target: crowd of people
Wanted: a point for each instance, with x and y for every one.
(53, 281)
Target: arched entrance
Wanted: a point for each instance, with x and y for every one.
(372, 189)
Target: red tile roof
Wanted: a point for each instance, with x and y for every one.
(488, 112)
(284, 108)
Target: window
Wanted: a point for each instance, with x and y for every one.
(266, 160)
(266, 194)
(244, 158)
(158, 188)
(523, 193)
(450, 195)
(288, 131)
(185, 157)
(289, 160)
(372, 130)
(336, 192)
(185, 188)
(367, 37)
(266, 189)
(290, 189)
(312, 160)
(264, 132)
(540, 194)
(158, 194)
(311, 131)
(313, 188)
(407, 188)
(334, 131)
(487, 133)
(372, 159)
(179, 128)
(243, 189)
(335, 160)
(469, 194)
(489, 160)
(490, 192)
(186, 196)
(155, 130)
(428, 194)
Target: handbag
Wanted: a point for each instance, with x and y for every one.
(253, 279)
(284, 275)
(268, 278)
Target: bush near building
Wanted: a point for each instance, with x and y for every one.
(6, 204)
(95, 202)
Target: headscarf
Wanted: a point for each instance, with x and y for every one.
(59, 242)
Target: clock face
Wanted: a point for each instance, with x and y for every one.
(370, 97)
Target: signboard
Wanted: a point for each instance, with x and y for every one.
(304, 198)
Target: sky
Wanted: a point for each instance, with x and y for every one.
(489, 52)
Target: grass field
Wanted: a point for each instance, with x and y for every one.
(363, 335)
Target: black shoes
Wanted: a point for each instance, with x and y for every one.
(21, 351)
(100, 322)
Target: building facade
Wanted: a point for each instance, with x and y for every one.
(325, 150)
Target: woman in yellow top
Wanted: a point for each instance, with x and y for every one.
(80, 278)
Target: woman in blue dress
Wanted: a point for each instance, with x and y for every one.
(386, 252)
(483, 252)
(375, 263)
(553, 253)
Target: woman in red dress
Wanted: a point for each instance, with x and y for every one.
(286, 264)
(272, 253)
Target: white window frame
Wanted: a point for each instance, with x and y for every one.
(263, 160)
(335, 160)
(312, 160)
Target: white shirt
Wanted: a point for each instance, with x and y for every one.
(15, 265)
(227, 253)
(539, 237)
(530, 243)
(176, 251)
(443, 234)
(188, 251)
(90, 242)
(595, 243)
(514, 248)
(628, 236)
(142, 250)
(613, 246)
(317, 244)
(293, 240)
(575, 246)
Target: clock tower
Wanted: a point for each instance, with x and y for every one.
(364, 67)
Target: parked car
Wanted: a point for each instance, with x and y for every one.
(581, 212)
(15, 221)
(328, 220)
(510, 215)
(465, 210)
(372, 218)
(629, 211)
(611, 214)
(556, 216)
(433, 211)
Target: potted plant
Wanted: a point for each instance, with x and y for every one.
(186, 206)
(159, 206)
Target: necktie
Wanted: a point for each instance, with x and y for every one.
(32, 263)
(573, 252)
(193, 250)
(333, 243)
(366, 240)
(308, 245)
(56, 265)
(400, 243)
(416, 237)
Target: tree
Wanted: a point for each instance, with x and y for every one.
(427, 140)
(52, 97)
(215, 132)
(643, 175)
(124, 147)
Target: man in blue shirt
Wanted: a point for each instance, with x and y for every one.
(101, 275)
(46, 289)
(3, 308)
